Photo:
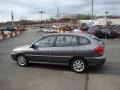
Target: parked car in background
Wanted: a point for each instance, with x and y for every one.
(9, 29)
(96, 31)
(84, 27)
(6, 30)
(73, 49)
(110, 31)
(49, 30)
(117, 30)
(91, 31)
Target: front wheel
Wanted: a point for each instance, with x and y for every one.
(79, 65)
(22, 60)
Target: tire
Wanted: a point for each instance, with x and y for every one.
(78, 65)
(22, 60)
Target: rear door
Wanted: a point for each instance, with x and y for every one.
(65, 47)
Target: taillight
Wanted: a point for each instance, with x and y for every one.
(99, 49)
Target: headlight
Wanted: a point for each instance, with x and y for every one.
(14, 51)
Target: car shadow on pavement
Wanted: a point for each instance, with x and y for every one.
(105, 69)
(50, 66)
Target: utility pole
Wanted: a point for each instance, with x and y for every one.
(106, 15)
(12, 16)
(58, 12)
(57, 16)
(41, 12)
(92, 12)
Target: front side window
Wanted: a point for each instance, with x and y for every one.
(46, 42)
(66, 41)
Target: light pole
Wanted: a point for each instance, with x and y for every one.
(12, 16)
(106, 14)
(41, 12)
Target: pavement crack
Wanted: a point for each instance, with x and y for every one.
(86, 81)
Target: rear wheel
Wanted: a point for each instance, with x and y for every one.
(22, 61)
(78, 65)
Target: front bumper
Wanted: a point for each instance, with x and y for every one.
(96, 61)
(13, 56)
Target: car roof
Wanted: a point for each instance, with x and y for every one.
(70, 33)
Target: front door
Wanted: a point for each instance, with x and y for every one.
(42, 50)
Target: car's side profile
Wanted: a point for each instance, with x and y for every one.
(76, 50)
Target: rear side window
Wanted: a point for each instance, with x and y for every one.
(66, 41)
(83, 41)
(74, 41)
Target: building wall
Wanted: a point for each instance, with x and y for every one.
(101, 21)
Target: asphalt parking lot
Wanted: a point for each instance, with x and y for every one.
(52, 77)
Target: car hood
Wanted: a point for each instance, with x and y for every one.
(21, 48)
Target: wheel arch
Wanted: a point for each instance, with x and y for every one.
(77, 57)
(20, 54)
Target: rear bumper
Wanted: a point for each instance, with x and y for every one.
(96, 61)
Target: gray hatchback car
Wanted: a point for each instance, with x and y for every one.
(73, 49)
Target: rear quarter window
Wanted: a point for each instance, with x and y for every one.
(95, 38)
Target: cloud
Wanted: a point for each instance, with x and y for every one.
(30, 8)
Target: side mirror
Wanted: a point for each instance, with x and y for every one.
(33, 46)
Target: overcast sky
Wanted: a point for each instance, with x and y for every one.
(28, 9)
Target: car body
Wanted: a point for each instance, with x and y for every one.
(63, 48)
